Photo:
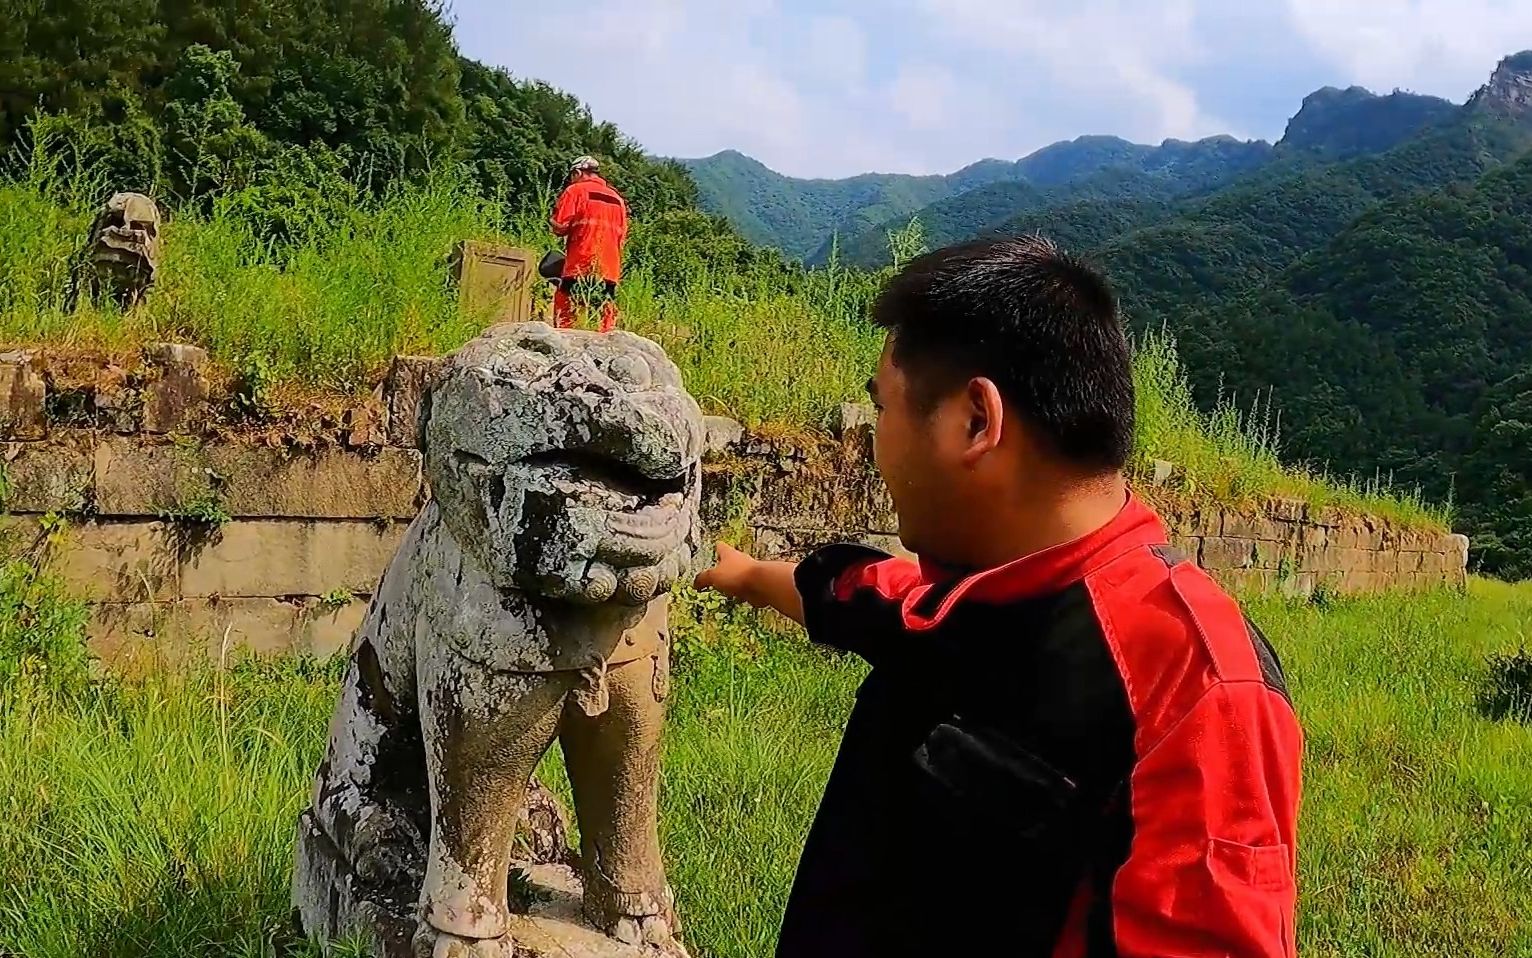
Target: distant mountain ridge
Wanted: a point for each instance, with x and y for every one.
(801, 217)
(796, 215)
(805, 218)
(1102, 168)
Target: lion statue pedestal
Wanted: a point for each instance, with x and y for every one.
(527, 603)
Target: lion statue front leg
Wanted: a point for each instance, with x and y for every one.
(485, 734)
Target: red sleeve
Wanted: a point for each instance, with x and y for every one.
(1211, 872)
(566, 211)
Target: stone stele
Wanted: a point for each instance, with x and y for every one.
(527, 602)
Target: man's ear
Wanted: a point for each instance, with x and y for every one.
(986, 419)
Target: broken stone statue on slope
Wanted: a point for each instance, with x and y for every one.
(527, 602)
(122, 254)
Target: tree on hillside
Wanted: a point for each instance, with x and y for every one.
(209, 143)
(522, 134)
(377, 77)
(1497, 480)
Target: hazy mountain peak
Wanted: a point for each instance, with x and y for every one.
(1338, 122)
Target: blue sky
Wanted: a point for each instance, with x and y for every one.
(837, 87)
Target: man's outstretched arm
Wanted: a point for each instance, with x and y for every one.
(755, 582)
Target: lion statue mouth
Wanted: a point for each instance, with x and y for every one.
(576, 457)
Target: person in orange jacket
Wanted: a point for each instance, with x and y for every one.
(592, 217)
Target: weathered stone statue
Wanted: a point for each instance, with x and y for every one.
(123, 252)
(526, 603)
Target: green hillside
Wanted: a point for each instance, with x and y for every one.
(1173, 170)
(1382, 304)
(294, 109)
(796, 215)
(1351, 122)
(1401, 346)
(806, 218)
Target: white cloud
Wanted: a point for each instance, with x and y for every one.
(682, 76)
(1098, 51)
(1443, 47)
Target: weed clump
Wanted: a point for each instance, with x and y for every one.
(1507, 691)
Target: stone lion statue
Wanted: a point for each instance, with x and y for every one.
(526, 603)
(122, 255)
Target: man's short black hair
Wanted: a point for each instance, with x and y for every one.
(1039, 323)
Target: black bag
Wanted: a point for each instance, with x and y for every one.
(552, 265)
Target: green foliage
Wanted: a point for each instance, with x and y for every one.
(42, 629)
(1496, 478)
(212, 146)
(796, 216)
(194, 508)
(1396, 345)
(907, 243)
(378, 78)
(336, 599)
(290, 108)
(204, 511)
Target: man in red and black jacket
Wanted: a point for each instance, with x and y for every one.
(1072, 743)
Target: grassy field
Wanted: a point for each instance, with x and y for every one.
(154, 820)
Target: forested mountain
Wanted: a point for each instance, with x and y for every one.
(1343, 123)
(796, 215)
(1169, 171)
(1385, 345)
(1386, 303)
(803, 217)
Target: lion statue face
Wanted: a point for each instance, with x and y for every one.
(568, 463)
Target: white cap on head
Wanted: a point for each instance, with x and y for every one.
(584, 164)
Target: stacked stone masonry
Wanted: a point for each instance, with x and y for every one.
(185, 540)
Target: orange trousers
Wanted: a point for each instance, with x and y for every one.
(564, 306)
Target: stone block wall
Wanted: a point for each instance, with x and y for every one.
(190, 531)
(191, 535)
(788, 496)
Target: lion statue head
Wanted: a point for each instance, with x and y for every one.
(567, 463)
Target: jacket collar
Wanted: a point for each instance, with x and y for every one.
(1040, 573)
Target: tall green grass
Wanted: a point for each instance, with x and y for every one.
(360, 283)
(155, 819)
(1233, 455)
